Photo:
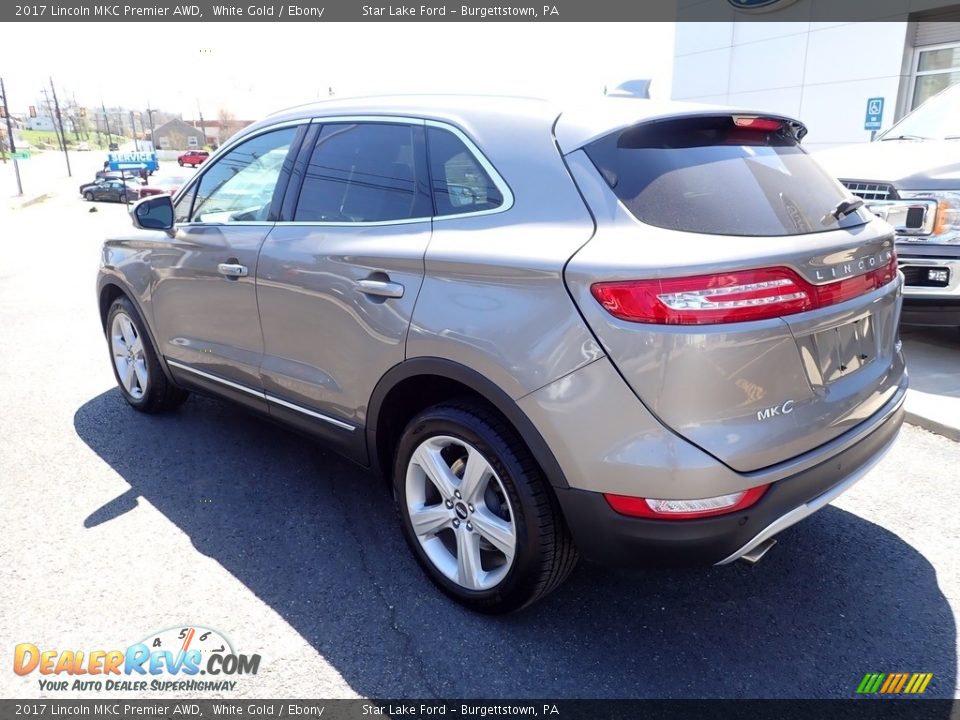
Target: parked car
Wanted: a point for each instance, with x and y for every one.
(164, 186)
(114, 146)
(117, 175)
(193, 158)
(83, 146)
(910, 176)
(112, 190)
(634, 331)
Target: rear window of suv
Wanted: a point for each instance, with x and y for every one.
(709, 175)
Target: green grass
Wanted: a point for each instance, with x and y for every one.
(36, 137)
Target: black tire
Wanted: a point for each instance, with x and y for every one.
(180, 162)
(160, 395)
(88, 196)
(545, 554)
(123, 197)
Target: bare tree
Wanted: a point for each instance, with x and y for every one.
(228, 124)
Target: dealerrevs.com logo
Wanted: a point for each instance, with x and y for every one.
(169, 660)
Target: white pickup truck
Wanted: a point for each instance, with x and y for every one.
(910, 176)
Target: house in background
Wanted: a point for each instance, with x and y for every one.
(178, 135)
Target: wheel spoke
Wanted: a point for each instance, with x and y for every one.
(126, 329)
(475, 474)
(118, 345)
(140, 369)
(137, 347)
(469, 570)
(436, 470)
(498, 531)
(428, 519)
(127, 375)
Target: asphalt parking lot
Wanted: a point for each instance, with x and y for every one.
(117, 525)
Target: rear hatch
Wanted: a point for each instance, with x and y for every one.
(749, 304)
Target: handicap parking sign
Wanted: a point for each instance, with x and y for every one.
(874, 116)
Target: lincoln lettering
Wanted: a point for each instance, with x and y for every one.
(855, 267)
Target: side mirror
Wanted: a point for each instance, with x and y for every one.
(153, 213)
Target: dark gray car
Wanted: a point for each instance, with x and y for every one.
(635, 331)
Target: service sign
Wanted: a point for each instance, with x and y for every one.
(133, 161)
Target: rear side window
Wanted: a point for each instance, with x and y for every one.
(708, 175)
(363, 172)
(460, 184)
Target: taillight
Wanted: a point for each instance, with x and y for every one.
(757, 123)
(737, 296)
(685, 509)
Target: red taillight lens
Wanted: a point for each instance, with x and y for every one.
(757, 123)
(731, 297)
(685, 509)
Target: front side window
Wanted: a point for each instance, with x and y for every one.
(363, 172)
(460, 184)
(239, 187)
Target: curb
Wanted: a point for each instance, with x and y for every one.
(921, 421)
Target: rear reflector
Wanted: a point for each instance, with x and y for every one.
(731, 297)
(685, 509)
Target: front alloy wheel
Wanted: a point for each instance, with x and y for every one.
(128, 356)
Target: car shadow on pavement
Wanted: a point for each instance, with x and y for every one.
(317, 539)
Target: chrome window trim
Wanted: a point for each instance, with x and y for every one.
(261, 394)
(231, 144)
(481, 159)
(488, 167)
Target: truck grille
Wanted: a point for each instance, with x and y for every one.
(870, 190)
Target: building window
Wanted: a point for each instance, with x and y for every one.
(937, 68)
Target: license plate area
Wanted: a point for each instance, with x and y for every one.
(845, 349)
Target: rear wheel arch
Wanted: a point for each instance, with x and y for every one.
(416, 384)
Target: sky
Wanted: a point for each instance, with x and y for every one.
(244, 68)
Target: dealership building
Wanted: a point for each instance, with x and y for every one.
(788, 59)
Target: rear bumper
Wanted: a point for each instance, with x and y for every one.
(605, 536)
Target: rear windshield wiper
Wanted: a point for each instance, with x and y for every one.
(843, 208)
(904, 137)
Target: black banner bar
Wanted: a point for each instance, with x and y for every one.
(466, 10)
(116, 709)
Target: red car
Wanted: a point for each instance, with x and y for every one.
(164, 186)
(193, 157)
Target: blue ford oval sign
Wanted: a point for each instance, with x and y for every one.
(758, 6)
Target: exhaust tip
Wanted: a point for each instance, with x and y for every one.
(752, 557)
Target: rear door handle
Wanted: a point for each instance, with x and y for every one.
(232, 270)
(381, 288)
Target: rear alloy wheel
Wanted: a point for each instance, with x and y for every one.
(135, 365)
(476, 510)
(88, 196)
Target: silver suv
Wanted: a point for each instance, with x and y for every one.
(633, 331)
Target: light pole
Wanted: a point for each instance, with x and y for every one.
(10, 141)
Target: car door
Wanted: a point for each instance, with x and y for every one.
(204, 300)
(339, 274)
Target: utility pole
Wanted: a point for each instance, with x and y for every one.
(10, 140)
(106, 121)
(133, 129)
(56, 106)
(203, 129)
(153, 139)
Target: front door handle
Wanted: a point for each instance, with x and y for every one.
(232, 270)
(381, 288)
